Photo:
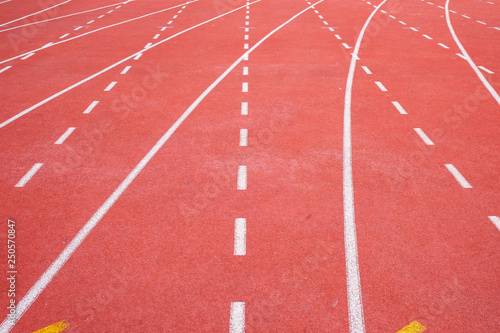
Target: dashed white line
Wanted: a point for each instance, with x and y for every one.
(443, 46)
(428, 37)
(110, 11)
(245, 70)
(175, 16)
(244, 108)
(65, 136)
(91, 107)
(180, 11)
(367, 71)
(402, 22)
(380, 85)
(481, 22)
(26, 178)
(468, 17)
(243, 137)
(325, 23)
(91, 21)
(430, 3)
(461, 56)
(138, 56)
(338, 36)
(237, 318)
(383, 11)
(247, 17)
(458, 176)
(486, 70)
(399, 107)
(27, 56)
(245, 57)
(496, 221)
(242, 177)
(245, 46)
(392, 16)
(454, 12)
(346, 46)
(240, 237)
(100, 16)
(316, 11)
(244, 87)
(321, 17)
(118, 7)
(125, 70)
(247, 23)
(77, 28)
(110, 86)
(246, 37)
(5, 68)
(148, 45)
(424, 137)
(65, 35)
(163, 29)
(169, 22)
(414, 29)
(441, 7)
(156, 36)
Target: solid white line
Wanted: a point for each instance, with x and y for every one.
(354, 298)
(481, 22)
(346, 46)
(65, 35)
(469, 59)
(458, 176)
(424, 137)
(240, 237)
(442, 45)
(243, 137)
(237, 318)
(5, 1)
(125, 70)
(65, 136)
(41, 11)
(242, 177)
(156, 36)
(26, 178)
(380, 85)
(91, 107)
(338, 37)
(40, 285)
(245, 70)
(399, 107)
(244, 108)
(5, 68)
(496, 221)
(428, 37)
(367, 71)
(110, 86)
(244, 87)
(486, 70)
(27, 56)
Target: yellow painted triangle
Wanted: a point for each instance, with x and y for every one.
(54, 328)
(413, 327)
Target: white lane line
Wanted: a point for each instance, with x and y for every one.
(244, 87)
(242, 177)
(321, 17)
(245, 57)
(5, 68)
(156, 36)
(175, 16)
(486, 70)
(5, 1)
(243, 137)
(441, 7)
(77, 28)
(331, 29)
(244, 108)
(100, 16)
(402, 22)
(491, 3)
(91, 107)
(380, 85)
(443, 46)
(110, 86)
(496, 221)
(346, 46)
(110, 12)
(63, 137)
(119, 7)
(237, 318)
(424, 137)
(468, 58)
(461, 56)
(27, 56)
(458, 176)
(245, 46)
(338, 37)
(246, 37)
(180, 11)
(247, 23)
(367, 71)
(125, 70)
(414, 29)
(91, 21)
(454, 12)
(399, 107)
(468, 17)
(138, 56)
(247, 17)
(428, 37)
(481, 22)
(65, 35)
(354, 297)
(245, 70)
(392, 16)
(240, 237)
(383, 11)
(430, 3)
(26, 178)
(325, 23)
(163, 29)
(41, 11)
(148, 45)
(169, 22)
(316, 11)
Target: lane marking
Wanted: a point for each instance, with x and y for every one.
(392, 16)
(110, 86)
(424, 137)
(496, 221)
(380, 85)
(331, 29)
(486, 70)
(367, 71)
(26, 178)
(461, 56)
(91, 107)
(5, 68)
(402, 22)
(338, 37)
(399, 107)
(163, 29)
(245, 57)
(40, 285)
(413, 327)
(63, 137)
(54, 328)
(430, 3)
(244, 108)
(441, 7)
(481, 22)
(169, 22)
(354, 298)
(175, 16)
(321, 17)
(90, 22)
(468, 58)
(428, 37)
(240, 237)
(41, 11)
(458, 176)
(100, 16)
(110, 11)
(414, 29)
(77, 28)
(442, 45)
(5, 1)
(148, 45)
(245, 70)
(65, 35)
(468, 17)
(242, 178)
(125, 70)
(246, 37)
(27, 56)
(383, 11)
(245, 46)
(138, 56)
(244, 87)
(346, 46)
(454, 12)
(156, 36)
(237, 318)
(325, 23)
(243, 137)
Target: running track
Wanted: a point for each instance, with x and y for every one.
(261, 166)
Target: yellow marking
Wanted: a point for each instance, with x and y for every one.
(54, 328)
(413, 327)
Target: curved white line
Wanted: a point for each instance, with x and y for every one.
(468, 58)
(61, 260)
(354, 300)
(59, 17)
(41, 11)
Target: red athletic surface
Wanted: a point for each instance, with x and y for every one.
(161, 260)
